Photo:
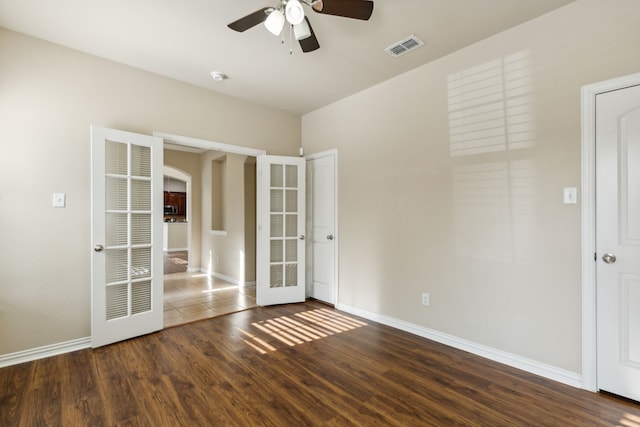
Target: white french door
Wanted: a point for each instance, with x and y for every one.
(618, 241)
(127, 271)
(281, 224)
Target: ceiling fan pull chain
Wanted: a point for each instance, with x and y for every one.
(290, 39)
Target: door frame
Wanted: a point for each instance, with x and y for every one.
(204, 144)
(187, 141)
(588, 215)
(334, 154)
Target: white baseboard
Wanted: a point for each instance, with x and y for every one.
(230, 279)
(45, 351)
(225, 278)
(551, 372)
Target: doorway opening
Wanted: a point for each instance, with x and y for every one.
(216, 270)
(177, 226)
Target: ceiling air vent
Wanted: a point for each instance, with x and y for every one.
(404, 46)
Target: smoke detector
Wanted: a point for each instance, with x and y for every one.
(218, 76)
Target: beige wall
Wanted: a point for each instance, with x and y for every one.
(49, 96)
(230, 251)
(486, 234)
(250, 220)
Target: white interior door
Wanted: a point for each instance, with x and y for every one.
(281, 224)
(618, 241)
(321, 226)
(126, 193)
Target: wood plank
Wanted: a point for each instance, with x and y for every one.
(43, 394)
(302, 364)
(81, 403)
(14, 381)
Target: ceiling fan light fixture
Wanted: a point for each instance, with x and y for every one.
(302, 31)
(275, 22)
(294, 12)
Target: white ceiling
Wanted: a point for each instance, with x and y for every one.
(187, 39)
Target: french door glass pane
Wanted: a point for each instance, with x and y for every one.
(140, 297)
(292, 201)
(141, 229)
(292, 176)
(291, 251)
(276, 276)
(140, 195)
(292, 226)
(276, 226)
(116, 158)
(140, 263)
(291, 275)
(117, 229)
(116, 194)
(117, 265)
(277, 199)
(140, 161)
(276, 176)
(117, 301)
(276, 251)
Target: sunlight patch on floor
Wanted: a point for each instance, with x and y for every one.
(227, 288)
(630, 420)
(302, 327)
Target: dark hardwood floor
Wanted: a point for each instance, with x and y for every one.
(294, 365)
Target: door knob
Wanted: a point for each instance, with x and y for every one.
(302, 237)
(330, 237)
(609, 258)
(98, 248)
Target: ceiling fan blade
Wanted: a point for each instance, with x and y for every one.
(250, 21)
(357, 9)
(310, 43)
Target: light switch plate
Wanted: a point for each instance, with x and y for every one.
(570, 195)
(59, 200)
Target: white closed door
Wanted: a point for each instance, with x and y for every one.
(126, 223)
(321, 223)
(618, 241)
(280, 263)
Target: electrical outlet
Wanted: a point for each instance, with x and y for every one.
(59, 200)
(425, 299)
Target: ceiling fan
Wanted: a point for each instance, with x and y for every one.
(291, 12)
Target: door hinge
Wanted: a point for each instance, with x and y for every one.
(595, 256)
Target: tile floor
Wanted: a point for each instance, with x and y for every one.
(195, 296)
(176, 262)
